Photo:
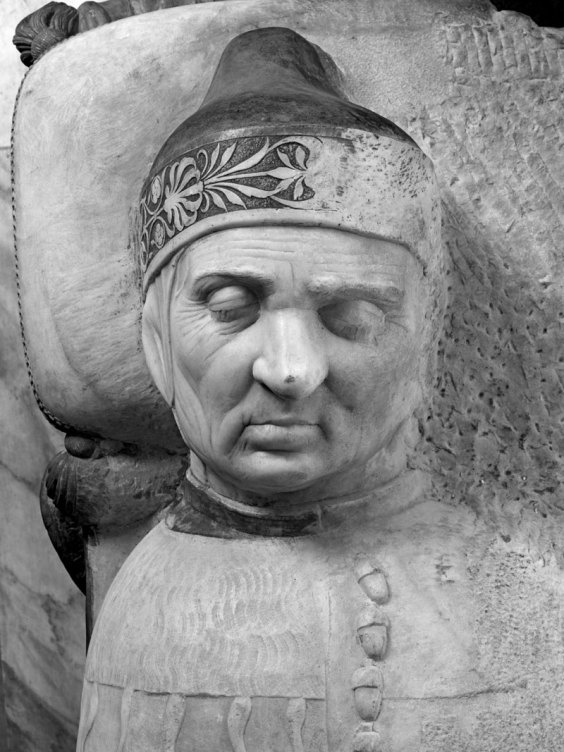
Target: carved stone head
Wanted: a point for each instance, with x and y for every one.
(290, 244)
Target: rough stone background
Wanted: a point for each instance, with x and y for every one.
(495, 436)
(41, 611)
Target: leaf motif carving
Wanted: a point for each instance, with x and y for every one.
(285, 184)
(251, 161)
(282, 173)
(213, 158)
(217, 200)
(187, 189)
(231, 196)
(283, 158)
(301, 157)
(227, 154)
(250, 190)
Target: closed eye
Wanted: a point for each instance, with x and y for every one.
(355, 320)
(234, 304)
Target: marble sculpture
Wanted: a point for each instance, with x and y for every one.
(304, 588)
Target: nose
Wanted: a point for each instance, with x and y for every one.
(292, 362)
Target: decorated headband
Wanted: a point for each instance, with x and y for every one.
(276, 143)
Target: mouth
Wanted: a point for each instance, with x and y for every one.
(287, 434)
(285, 421)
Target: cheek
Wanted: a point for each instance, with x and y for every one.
(228, 374)
(191, 343)
(210, 398)
(367, 378)
(191, 350)
(214, 368)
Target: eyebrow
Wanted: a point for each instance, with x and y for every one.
(382, 291)
(259, 282)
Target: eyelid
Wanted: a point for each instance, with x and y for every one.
(203, 288)
(389, 297)
(358, 320)
(231, 296)
(209, 283)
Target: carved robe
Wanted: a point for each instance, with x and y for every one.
(394, 623)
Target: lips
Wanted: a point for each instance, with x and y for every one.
(286, 420)
(287, 434)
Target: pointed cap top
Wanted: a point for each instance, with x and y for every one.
(273, 77)
(276, 141)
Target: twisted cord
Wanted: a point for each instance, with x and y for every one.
(58, 424)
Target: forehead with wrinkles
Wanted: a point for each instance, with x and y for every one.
(323, 261)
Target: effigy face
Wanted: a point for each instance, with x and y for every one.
(289, 273)
(291, 357)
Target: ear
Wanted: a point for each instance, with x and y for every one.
(155, 334)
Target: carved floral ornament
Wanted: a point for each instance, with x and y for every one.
(217, 179)
(284, 179)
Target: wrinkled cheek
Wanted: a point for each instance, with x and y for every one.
(189, 411)
(190, 352)
(225, 395)
(208, 409)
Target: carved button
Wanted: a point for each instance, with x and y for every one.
(366, 741)
(368, 702)
(372, 630)
(375, 586)
(368, 684)
(372, 580)
(374, 641)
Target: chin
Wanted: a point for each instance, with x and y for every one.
(269, 473)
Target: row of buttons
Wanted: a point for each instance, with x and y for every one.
(372, 631)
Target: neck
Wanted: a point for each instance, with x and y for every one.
(206, 511)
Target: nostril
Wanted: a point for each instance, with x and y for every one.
(280, 391)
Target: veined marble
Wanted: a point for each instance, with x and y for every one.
(41, 610)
